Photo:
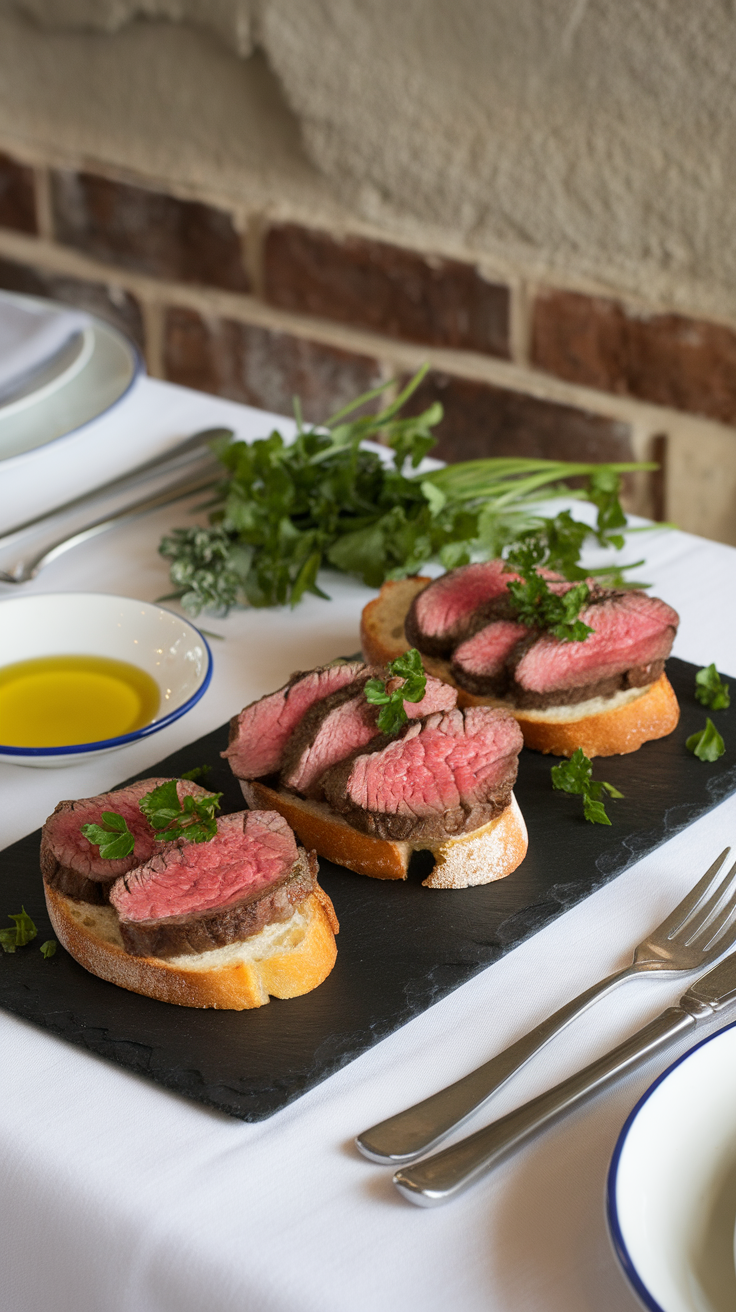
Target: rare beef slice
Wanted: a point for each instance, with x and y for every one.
(344, 722)
(446, 774)
(260, 732)
(193, 897)
(73, 865)
(442, 614)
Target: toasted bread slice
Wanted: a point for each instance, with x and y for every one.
(284, 960)
(479, 857)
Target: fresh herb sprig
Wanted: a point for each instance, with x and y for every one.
(707, 743)
(576, 776)
(193, 818)
(22, 933)
(710, 690)
(536, 604)
(407, 667)
(287, 509)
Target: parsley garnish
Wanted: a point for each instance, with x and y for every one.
(285, 510)
(194, 818)
(113, 837)
(707, 743)
(198, 771)
(48, 948)
(575, 776)
(22, 933)
(710, 690)
(409, 668)
(536, 604)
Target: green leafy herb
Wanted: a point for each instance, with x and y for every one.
(409, 668)
(576, 776)
(536, 604)
(113, 837)
(48, 949)
(196, 773)
(710, 689)
(22, 933)
(707, 743)
(192, 818)
(285, 510)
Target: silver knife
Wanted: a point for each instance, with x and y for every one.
(446, 1174)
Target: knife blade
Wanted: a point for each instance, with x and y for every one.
(444, 1175)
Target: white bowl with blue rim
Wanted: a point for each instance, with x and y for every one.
(164, 645)
(672, 1184)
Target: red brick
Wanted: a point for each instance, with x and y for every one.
(111, 303)
(148, 231)
(262, 367)
(481, 420)
(17, 196)
(387, 289)
(688, 364)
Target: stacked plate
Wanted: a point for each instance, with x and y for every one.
(90, 372)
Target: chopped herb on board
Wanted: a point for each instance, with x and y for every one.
(575, 776)
(409, 668)
(710, 690)
(48, 949)
(22, 932)
(707, 743)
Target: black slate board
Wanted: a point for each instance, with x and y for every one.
(401, 946)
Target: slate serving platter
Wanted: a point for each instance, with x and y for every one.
(401, 946)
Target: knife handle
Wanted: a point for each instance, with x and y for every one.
(442, 1177)
(414, 1131)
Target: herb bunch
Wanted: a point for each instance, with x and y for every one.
(287, 509)
(407, 667)
(576, 776)
(193, 818)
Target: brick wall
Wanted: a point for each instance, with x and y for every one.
(259, 310)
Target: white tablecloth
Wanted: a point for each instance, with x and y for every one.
(116, 1195)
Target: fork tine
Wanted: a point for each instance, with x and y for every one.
(690, 904)
(716, 911)
(724, 937)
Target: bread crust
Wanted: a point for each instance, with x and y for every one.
(480, 857)
(301, 959)
(622, 729)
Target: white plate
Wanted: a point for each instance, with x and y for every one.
(98, 372)
(170, 649)
(672, 1184)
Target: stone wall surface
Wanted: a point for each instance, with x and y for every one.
(271, 197)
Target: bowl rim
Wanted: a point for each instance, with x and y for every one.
(614, 1224)
(106, 744)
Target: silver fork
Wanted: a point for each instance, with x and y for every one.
(699, 930)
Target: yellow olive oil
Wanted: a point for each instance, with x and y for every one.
(58, 701)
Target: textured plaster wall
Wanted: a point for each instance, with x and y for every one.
(570, 139)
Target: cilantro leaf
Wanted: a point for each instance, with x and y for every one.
(24, 931)
(48, 949)
(113, 837)
(193, 818)
(576, 776)
(409, 668)
(710, 690)
(707, 743)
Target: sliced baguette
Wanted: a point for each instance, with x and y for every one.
(480, 857)
(284, 960)
(633, 718)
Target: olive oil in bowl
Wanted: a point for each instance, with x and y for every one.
(61, 701)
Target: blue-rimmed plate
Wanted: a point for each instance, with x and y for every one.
(156, 640)
(672, 1184)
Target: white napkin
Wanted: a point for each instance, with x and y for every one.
(30, 336)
